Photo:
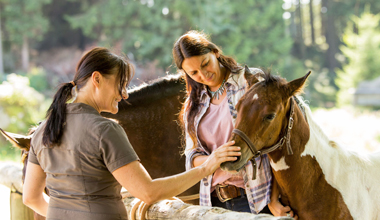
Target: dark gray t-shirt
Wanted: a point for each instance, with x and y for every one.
(79, 170)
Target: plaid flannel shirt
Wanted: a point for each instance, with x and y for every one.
(258, 191)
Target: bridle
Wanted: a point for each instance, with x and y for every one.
(257, 153)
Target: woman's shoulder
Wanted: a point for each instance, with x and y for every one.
(37, 134)
(102, 124)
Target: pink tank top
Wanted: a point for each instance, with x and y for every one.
(214, 130)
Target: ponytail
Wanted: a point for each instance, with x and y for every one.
(97, 59)
(56, 115)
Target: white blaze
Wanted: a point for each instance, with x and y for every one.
(255, 97)
(279, 165)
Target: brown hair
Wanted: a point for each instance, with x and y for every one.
(195, 43)
(98, 59)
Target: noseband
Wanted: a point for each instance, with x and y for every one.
(257, 153)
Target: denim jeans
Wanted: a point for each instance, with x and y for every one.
(238, 204)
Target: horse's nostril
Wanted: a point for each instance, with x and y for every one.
(238, 158)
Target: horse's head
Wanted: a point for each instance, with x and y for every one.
(263, 114)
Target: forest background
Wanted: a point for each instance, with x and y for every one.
(42, 40)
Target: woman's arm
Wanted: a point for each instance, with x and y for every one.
(138, 182)
(32, 196)
(199, 160)
(275, 206)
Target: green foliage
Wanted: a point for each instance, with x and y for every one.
(7, 152)
(362, 51)
(24, 19)
(20, 108)
(253, 32)
(20, 105)
(37, 78)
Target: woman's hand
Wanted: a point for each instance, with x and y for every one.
(224, 153)
(278, 209)
(138, 182)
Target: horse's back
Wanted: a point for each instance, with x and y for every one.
(150, 119)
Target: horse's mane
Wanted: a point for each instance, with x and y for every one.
(268, 78)
(323, 137)
(350, 172)
(160, 88)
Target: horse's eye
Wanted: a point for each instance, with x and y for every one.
(270, 117)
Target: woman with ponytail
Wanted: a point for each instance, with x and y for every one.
(84, 159)
(215, 83)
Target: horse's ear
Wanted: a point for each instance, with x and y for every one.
(19, 141)
(249, 77)
(296, 86)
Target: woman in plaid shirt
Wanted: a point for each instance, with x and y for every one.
(215, 83)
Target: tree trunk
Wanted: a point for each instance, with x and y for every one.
(332, 40)
(1, 52)
(25, 53)
(299, 34)
(312, 22)
(323, 17)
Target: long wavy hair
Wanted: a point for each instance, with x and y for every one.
(195, 43)
(98, 59)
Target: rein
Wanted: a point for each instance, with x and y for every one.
(257, 153)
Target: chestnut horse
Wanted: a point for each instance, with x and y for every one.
(149, 117)
(316, 176)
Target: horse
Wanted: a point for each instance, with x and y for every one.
(317, 177)
(149, 118)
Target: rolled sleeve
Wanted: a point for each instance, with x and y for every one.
(32, 156)
(191, 152)
(190, 155)
(116, 148)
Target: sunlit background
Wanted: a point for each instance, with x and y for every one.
(338, 40)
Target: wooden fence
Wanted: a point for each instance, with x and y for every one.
(10, 176)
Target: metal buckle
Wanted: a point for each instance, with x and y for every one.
(218, 193)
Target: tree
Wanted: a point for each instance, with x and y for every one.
(24, 21)
(253, 32)
(1, 51)
(20, 105)
(361, 50)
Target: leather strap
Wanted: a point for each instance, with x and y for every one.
(226, 192)
(285, 138)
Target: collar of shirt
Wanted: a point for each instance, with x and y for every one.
(231, 84)
(80, 108)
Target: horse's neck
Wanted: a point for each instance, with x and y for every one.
(299, 135)
(331, 157)
(354, 176)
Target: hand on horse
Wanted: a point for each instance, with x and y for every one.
(226, 152)
(278, 209)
